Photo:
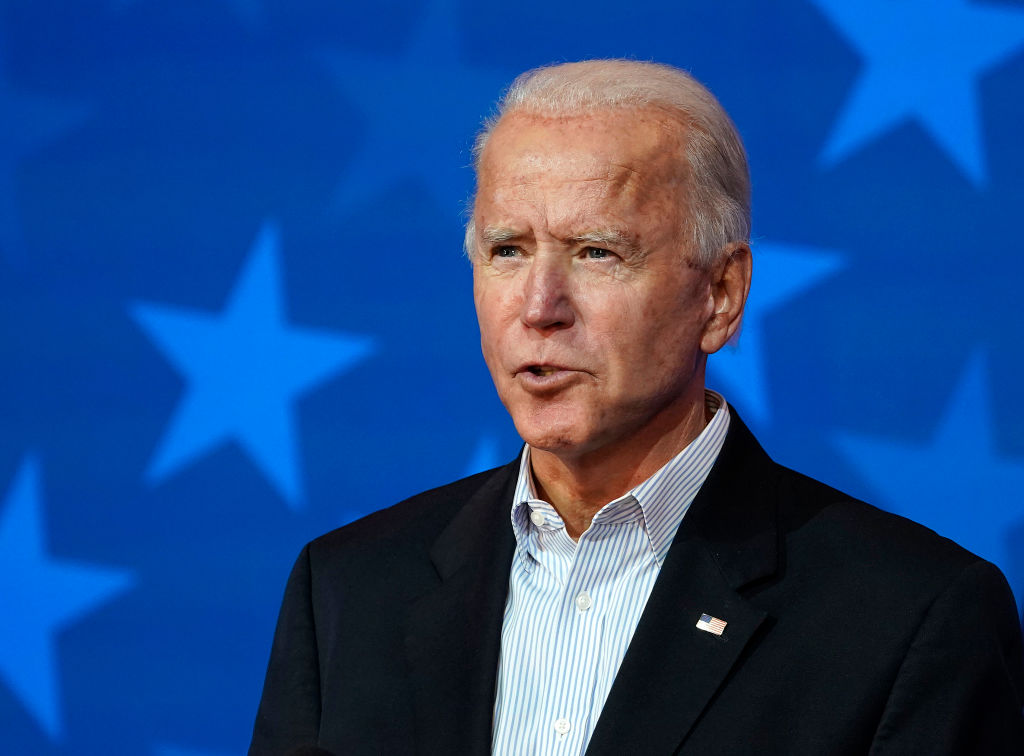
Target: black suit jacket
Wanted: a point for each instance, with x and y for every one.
(850, 630)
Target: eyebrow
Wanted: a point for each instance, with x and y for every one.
(609, 237)
(605, 237)
(498, 235)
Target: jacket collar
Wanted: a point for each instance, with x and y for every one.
(454, 632)
(727, 541)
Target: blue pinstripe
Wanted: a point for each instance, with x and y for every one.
(558, 660)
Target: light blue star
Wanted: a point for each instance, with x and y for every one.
(41, 596)
(485, 456)
(781, 272)
(956, 483)
(28, 123)
(245, 368)
(422, 110)
(922, 59)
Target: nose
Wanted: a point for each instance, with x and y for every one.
(547, 299)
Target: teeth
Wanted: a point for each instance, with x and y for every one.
(543, 371)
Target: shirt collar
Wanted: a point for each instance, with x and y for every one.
(662, 499)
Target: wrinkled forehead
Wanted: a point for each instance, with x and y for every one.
(620, 147)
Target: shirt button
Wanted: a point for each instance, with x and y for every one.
(584, 602)
(537, 517)
(562, 726)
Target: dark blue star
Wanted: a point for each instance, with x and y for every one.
(251, 13)
(41, 596)
(955, 484)
(922, 59)
(245, 368)
(422, 110)
(28, 123)
(781, 272)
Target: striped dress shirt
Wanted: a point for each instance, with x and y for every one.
(573, 606)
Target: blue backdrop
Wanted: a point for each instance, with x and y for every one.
(234, 312)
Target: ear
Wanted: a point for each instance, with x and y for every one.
(730, 284)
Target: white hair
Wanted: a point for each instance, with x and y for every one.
(718, 203)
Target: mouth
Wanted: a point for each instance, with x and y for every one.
(544, 379)
(543, 370)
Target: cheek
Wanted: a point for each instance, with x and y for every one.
(484, 299)
(659, 337)
(496, 317)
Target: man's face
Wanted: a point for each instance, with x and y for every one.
(591, 319)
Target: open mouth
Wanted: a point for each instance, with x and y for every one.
(542, 370)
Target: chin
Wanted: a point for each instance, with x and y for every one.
(555, 436)
(556, 444)
(557, 426)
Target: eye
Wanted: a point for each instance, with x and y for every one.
(506, 251)
(597, 253)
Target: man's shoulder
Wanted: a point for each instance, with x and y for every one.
(823, 531)
(813, 518)
(847, 534)
(412, 524)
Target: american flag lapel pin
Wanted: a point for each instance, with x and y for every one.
(710, 624)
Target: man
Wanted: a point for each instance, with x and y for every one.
(643, 579)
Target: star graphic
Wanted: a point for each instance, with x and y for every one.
(922, 59)
(427, 87)
(245, 367)
(28, 123)
(955, 484)
(42, 596)
(781, 272)
(251, 13)
(485, 456)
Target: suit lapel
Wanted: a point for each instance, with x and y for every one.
(673, 669)
(454, 632)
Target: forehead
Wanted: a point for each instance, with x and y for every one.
(611, 150)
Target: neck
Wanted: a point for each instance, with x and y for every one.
(578, 485)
